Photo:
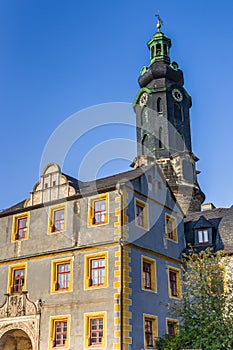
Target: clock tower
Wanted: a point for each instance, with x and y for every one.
(163, 124)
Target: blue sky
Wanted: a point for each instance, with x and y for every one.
(59, 57)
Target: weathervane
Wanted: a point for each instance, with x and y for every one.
(160, 21)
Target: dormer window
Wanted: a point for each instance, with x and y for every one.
(202, 236)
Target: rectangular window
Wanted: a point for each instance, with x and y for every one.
(62, 275)
(170, 228)
(59, 332)
(17, 278)
(148, 274)
(141, 214)
(20, 227)
(95, 330)
(57, 219)
(203, 236)
(172, 327)
(96, 270)
(174, 283)
(18, 282)
(98, 210)
(150, 331)
(97, 273)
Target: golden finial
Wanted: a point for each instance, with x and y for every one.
(160, 21)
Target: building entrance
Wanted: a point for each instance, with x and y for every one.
(15, 339)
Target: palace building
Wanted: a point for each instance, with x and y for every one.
(93, 265)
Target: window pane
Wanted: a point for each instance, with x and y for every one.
(63, 276)
(173, 283)
(200, 239)
(147, 275)
(148, 326)
(96, 330)
(205, 236)
(97, 272)
(103, 216)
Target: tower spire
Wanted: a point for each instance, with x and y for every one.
(160, 21)
(159, 45)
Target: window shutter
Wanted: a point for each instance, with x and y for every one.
(57, 286)
(90, 282)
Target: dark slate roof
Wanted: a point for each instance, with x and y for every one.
(72, 181)
(95, 186)
(111, 181)
(17, 206)
(221, 220)
(101, 185)
(202, 223)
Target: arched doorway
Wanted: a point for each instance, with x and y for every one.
(15, 339)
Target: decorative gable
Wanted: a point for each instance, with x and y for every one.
(53, 185)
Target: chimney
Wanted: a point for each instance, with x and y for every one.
(208, 206)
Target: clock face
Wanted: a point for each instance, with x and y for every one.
(143, 99)
(177, 95)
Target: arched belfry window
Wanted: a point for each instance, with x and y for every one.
(144, 144)
(152, 51)
(159, 105)
(160, 137)
(158, 50)
(165, 52)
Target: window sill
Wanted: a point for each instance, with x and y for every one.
(149, 290)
